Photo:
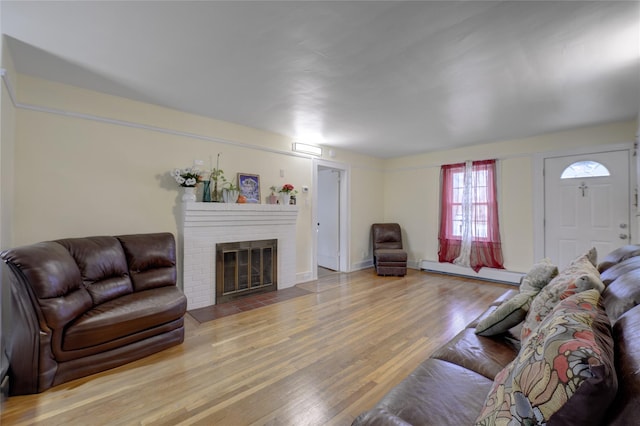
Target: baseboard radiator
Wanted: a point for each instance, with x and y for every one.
(488, 274)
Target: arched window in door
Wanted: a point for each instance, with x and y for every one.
(585, 169)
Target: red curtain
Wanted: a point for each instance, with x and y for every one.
(486, 249)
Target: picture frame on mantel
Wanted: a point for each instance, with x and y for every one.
(249, 185)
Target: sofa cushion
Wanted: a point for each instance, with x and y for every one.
(617, 256)
(564, 373)
(126, 315)
(484, 355)
(507, 315)
(151, 259)
(619, 269)
(622, 295)
(626, 334)
(539, 276)
(579, 276)
(431, 395)
(102, 265)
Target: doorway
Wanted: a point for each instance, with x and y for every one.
(586, 202)
(330, 213)
(328, 218)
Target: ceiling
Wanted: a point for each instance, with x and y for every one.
(383, 78)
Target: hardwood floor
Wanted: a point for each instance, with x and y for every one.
(317, 359)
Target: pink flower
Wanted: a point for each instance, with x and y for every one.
(287, 187)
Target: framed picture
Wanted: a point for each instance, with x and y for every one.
(249, 187)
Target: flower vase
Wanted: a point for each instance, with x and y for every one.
(230, 196)
(285, 198)
(215, 196)
(189, 193)
(206, 191)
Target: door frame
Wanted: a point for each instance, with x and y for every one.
(538, 190)
(345, 211)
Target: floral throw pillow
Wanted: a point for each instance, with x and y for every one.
(539, 276)
(564, 374)
(579, 276)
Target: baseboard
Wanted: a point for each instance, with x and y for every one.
(363, 264)
(303, 277)
(489, 274)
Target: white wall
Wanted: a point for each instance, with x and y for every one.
(412, 183)
(102, 168)
(78, 176)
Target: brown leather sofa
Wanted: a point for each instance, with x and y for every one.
(451, 386)
(84, 305)
(388, 256)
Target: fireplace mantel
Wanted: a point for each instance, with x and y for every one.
(206, 224)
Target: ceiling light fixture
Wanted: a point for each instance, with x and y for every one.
(307, 149)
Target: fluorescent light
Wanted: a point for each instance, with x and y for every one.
(307, 149)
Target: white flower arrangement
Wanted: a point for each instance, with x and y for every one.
(186, 177)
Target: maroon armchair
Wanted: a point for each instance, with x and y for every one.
(389, 257)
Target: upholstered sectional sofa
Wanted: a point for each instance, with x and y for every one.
(84, 305)
(563, 349)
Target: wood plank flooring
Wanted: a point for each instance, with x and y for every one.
(317, 359)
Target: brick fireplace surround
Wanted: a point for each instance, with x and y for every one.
(206, 224)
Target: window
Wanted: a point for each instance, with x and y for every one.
(479, 200)
(585, 169)
(469, 229)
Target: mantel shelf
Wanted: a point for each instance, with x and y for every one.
(246, 207)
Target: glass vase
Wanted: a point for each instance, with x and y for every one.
(206, 191)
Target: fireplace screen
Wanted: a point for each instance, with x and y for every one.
(245, 267)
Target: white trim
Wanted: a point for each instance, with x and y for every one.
(439, 165)
(9, 86)
(134, 125)
(363, 264)
(538, 187)
(303, 277)
(488, 274)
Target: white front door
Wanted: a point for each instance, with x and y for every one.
(587, 207)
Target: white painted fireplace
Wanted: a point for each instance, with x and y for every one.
(206, 224)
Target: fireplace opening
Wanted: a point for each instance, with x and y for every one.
(244, 268)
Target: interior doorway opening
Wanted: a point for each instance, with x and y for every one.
(330, 215)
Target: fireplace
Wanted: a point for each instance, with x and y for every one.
(244, 268)
(205, 225)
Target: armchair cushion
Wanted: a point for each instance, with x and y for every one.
(393, 255)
